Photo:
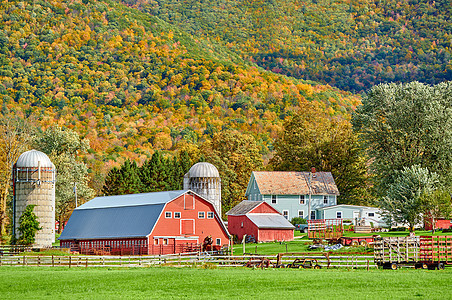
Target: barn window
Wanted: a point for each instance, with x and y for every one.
(371, 214)
(168, 215)
(210, 215)
(273, 199)
(302, 199)
(177, 215)
(201, 215)
(241, 225)
(339, 214)
(301, 214)
(325, 199)
(218, 241)
(156, 241)
(165, 241)
(285, 214)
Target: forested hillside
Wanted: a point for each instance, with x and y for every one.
(350, 44)
(132, 83)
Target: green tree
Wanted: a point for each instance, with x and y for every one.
(64, 147)
(405, 195)
(154, 174)
(123, 181)
(28, 226)
(312, 139)
(405, 125)
(235, 155)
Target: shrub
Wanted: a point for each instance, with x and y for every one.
(298, 220)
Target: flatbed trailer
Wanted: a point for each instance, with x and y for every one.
(425, 252)
(363, 241)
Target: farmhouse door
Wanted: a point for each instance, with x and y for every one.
(187, 226)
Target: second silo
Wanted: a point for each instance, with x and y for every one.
(34, 177)
(203, 178)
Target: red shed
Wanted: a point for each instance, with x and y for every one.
(150, 223)
(260, 220)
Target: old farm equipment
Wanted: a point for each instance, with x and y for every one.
(425, 252)
(325, 229)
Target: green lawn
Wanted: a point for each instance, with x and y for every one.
(237, 283)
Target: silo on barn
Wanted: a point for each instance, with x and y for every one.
(203, 178)
(34, 177)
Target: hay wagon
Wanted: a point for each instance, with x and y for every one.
(426, 252)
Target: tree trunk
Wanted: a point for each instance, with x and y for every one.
(3, 198)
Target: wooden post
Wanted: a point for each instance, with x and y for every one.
(0, 260)
(39, 260)
(243, 243)
(86, 263)
(53, 262)
(24, 262)
(368, 265)
(70, 261)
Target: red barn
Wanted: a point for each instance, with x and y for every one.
(260, 220)
(150, 223)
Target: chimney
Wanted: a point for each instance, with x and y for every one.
(313, 172)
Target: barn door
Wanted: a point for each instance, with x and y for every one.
(187, 226)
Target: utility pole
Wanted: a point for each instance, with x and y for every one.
(75, 192)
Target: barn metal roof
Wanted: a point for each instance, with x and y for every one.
(118, 216)
(274, 221)
(32, 158)
(243, 207)
(132, 199)
(112, 222)
(295, 183)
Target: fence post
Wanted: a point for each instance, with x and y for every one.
(39, 260)
(24, 261)
(70, 261)
(86, 265)
(0, 260)
(53, 261)
(367, 264)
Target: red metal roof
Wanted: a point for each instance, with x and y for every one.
(295, 183)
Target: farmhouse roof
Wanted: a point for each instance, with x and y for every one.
(118, 216)
(295, 183)
(243, 207)
(274, 221)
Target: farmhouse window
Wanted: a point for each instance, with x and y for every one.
(168, 215)
(302, 199)
(177, 215)
(312, 215)
(210, 215)
(218, 241)
(273, 199)
(371, 214)
(285, 214)
(325, 199)
(339, 214)
(301, 214)
(201, 215)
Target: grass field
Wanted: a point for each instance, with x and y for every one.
(238, 283)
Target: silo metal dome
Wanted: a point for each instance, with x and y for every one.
(33, 158)
(203, 170)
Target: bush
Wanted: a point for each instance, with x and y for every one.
(298, 220)
(28, 226)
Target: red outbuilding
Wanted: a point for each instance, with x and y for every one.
(150, 223)
(259, 220)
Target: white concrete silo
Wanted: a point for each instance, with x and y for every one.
(204, 179)
(34, 177)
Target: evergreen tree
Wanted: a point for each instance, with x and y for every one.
(123, 181)
(28, 226)
(154, 174)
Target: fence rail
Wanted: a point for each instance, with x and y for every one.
(191, 259)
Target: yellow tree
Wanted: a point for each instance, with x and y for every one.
(14, 139)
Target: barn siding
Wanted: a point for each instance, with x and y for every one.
(268, 235)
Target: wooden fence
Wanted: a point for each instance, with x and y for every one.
(190, 259)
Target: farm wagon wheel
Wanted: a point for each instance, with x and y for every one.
(424, 266)
(317, 267)
(440, 266)
(355, 243)
(363, 243)
(394, 266)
